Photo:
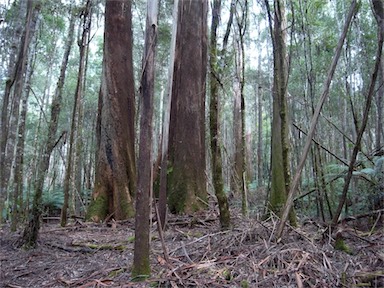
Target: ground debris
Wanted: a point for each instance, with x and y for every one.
(199, 255)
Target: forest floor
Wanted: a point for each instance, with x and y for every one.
(199, 255)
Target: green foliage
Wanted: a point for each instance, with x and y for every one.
(53, 200)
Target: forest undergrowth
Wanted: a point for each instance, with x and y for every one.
(197, 254)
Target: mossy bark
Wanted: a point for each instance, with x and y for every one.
(186, 179)
(214, 122)
(281, 177)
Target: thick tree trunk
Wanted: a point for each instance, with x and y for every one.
(115, 180)
(280, 124)
(217, 173)
(144, 181)
(186, 179)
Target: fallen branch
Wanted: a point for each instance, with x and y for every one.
(119, 247)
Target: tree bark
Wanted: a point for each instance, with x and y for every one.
(166, 123)
(186, 179)
(214, 118)
(17, 81)
(141, 267)
(280, 158)
(18, 175)
(115, 180)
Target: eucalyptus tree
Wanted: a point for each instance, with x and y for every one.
(280, 164)
(240, 175)
(214, 119)
(141, 265)
(14, 88)
(187, 161)
(115, 180)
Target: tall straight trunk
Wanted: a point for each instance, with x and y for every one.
(379, 110)
(18, 177)
(79, 158)
(280, 124)
(115, 179)
(144, 181)
(240, 161)
(15, 40)
(260, 162)
(238, 148)
(214, 117)
(165, 130)
(83, 45)
(186, 179)
(17, 81)
(31, 231)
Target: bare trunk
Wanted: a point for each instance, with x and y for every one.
(115, 179)
(165, 133)
(186, 180)
(17, 205)
(141, 266)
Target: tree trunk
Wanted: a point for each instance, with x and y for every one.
(166, 123)
(18, 175)
(240, 161)
(379, 110)
(17, 81)
(144, 181)
(186, 179)
(83, 44)
(280, 124)
(115, 180)
(260, 160)
(217, 173)
(315, 117)
(31, 231)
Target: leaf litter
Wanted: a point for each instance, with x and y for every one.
(198, 254)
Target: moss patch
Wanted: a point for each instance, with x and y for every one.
(341, 245)
(98, 209)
